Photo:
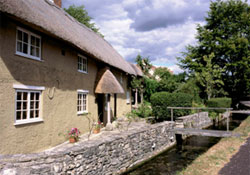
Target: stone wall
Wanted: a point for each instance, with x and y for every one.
(197, 120)
(112, 154)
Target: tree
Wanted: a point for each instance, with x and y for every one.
(81, 15)
(227, 35)
(210, 76)
(143, 63)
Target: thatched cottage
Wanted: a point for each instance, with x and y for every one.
(53, 72)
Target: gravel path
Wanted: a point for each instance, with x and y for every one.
(239, 163)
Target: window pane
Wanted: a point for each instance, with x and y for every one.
(19, 46)
(36, 113)
(32, 114)
(25, 96)
(24, 105)
(37, 42)
(18, 105)
(19, 96)
(37, 105)
(32, 105)
(18, 115)
(37, 52)
(25, 48)
(32, 51)
(33, 40)
(32, 96)
(24, 114)
(19, 35)
(25, 37)
(37, 96)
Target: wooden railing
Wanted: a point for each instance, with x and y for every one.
(199, 109)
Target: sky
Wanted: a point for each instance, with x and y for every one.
(157, 29)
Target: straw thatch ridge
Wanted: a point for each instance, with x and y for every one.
(108, 84)
(136, 69)
(48, 18)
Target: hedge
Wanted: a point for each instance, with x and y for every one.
(161, 100)
(219, 103)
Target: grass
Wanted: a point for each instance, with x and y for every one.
(219, 155)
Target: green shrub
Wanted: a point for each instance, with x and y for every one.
(161, 100)
(144, 110)
(219, 103)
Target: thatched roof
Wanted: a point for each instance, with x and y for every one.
(246, 103)
(48, 18)
(136, 69)
(108, 84)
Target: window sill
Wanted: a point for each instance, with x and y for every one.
(29, 56)
(27, 122)
(82, 72)
(82, 113)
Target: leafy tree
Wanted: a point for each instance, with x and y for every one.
(162, 72)
(190, 87)
(227, 35)
(151, 86)
(210, 76)
(144, 64)
(81, 15)
(168, 81)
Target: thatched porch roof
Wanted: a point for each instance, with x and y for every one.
(46, 17)
(108, 84)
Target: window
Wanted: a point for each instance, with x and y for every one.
(28, 44)
(82, 64)
(28, 104)
(128, 96)
(82, 101)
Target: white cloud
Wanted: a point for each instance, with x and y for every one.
(176, 69)
(168, 26)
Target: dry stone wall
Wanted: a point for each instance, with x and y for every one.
(197, 120)
(110, 155)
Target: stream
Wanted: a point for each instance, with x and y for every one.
(178, 157)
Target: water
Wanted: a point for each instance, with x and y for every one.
(179, 157)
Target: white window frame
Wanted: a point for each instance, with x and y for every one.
(28, 55)
(82, 92)
(83, 58)
(28, 89)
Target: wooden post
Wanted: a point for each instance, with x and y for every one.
(172, 114)
(136, 97)
(109, 126)
(227, 121)
(141, 97)
(108, 106)
(115, 105)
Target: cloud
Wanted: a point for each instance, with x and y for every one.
(159, 29)
(161, 14)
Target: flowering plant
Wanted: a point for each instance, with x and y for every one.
(98, 125)
(74, 132)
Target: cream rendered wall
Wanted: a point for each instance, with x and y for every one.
(59, 75)
(56, 72)
(122, 106)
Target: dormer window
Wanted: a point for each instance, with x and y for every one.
(82, 64)
(28, 44)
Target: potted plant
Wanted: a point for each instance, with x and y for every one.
(73, 135)
(97, 127)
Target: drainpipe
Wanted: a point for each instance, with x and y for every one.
(109, 126)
